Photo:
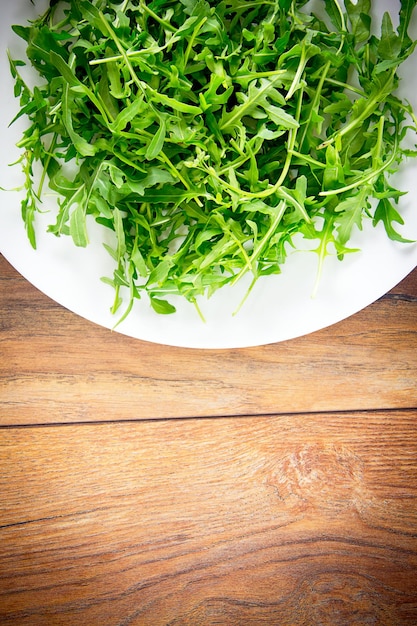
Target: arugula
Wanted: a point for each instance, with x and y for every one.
(207, 134)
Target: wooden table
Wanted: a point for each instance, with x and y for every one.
(151, 485)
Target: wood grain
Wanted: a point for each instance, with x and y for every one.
(286, 520)
(57, 367)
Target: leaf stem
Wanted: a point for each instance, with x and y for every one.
(364, 179)
(280, 210)
(166, 25)
(192, 39)
(46, 164)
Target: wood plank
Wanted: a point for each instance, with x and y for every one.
(303, 519)
(57, 367)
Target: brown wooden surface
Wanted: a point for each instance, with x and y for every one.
(288, 495)
(57, 367)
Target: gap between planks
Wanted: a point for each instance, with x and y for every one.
(333, 413)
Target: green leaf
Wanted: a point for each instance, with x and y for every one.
(206, 235)
(176, 105)
(64, 69)
(157, 142)
(281, 118)
(169, 194)
(81, 145)
(120, 232)
(206, 136)
(95, 17)
(334, 13)
(334, 175)
(349, 214)
(163, 307)
(255, 97)
(128, 113)
(22, 31)
(406, 12)
(359, 16)
(389, 47)
(78, 226)
(114, 76)
(387, 214)
(154, 176)
(139, 261)
(160, 272)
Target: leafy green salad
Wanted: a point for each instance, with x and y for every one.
(208, 135)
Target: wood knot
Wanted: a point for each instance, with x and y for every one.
(326, 477)
(345, 599)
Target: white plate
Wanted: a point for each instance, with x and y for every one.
(279, 307)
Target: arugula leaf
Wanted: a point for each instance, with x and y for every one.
(387, 214)
(162, 306)
(390, 44)
(78, 226)
(406, 11)
(206, 135)
(157, 142)
(350, 213)
(360, 19)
